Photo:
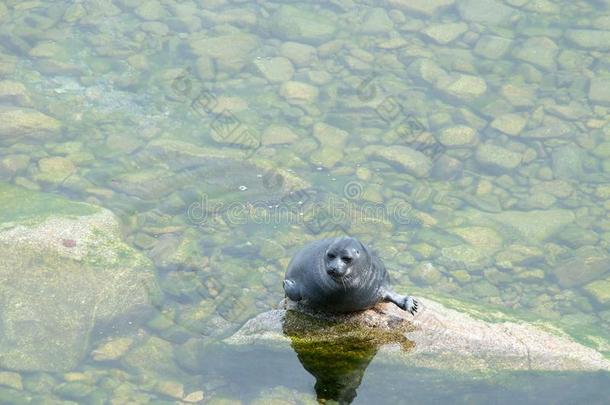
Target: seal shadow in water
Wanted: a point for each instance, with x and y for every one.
(337, 353)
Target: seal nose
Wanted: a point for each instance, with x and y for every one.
(334, 271)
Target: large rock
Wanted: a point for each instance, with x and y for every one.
(436, 337)
(64, 270)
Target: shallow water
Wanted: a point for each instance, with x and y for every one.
(226, 134)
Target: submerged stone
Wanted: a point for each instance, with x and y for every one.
(567, 162)
(275, 70)
(425, 7)
(599, 90)
(534, 226)
(299, 92)
(377, 21)
(411, 160)
(445, 33)
(510, 124)
(590, 39)
(458, 136)
(492, 47)
(25, 122)
(466, 87)
(599, 291)
(67, 271)
(54, 170)
(488, 12)
(497, 157)
(589, 263)
(231, 52)
(539, 51)
(303, 24)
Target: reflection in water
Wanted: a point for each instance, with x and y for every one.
(337, 354)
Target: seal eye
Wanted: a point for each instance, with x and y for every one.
(331, 256)
(347, 259)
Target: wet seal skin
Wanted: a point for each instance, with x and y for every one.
(341, 275)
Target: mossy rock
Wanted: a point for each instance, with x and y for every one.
(65, 270)
(465, 337)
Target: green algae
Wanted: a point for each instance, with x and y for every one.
(22, 205)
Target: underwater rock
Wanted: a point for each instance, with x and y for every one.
(54, 170)
(533, 226)
(464, 87)
(303, 24)
(275, 70)
(599, 90)
(589, 263)
(510, 124)
(299, 54)
(278, 134)
(590, 39)
(231, 52)
(299, 93)
(497, 157)
(492, 47)
(467, 338)
(567, 162)
(214, 175)
(13, 164)
(458, 136)
(425, 7)
(154, 355)
(66, 270)
(446, 168)
(412, 161)
(112, 349)
(445, 33)
(539, 51)
(377, 21)
(551, 128)
(25, 122)
(14, 93)
(330, 136)
(487, 12)
(600, 291)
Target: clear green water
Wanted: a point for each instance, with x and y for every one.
(225, 135)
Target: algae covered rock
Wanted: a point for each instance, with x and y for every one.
(26, 122)
(467, 338)
(64, 270)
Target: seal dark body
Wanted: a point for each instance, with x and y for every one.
(341, 275)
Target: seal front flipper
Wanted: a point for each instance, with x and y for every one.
(292, 290)
(406, 303)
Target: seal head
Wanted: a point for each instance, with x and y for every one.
(343, 257)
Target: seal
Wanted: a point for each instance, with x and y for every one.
(341, 275)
